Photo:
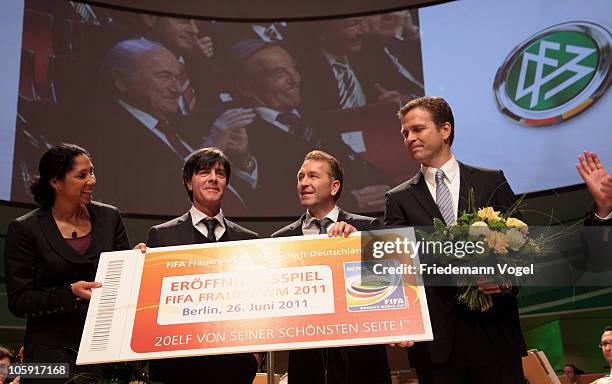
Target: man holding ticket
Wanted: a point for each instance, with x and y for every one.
(206, 175)
(319, 185)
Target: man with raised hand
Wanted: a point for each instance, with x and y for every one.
(599, 184)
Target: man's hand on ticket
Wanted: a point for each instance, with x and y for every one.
(341, 228)
(141, 246)
(403, 344)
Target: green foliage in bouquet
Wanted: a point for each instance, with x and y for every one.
(502, 238)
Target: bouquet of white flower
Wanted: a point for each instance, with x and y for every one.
(504, 239)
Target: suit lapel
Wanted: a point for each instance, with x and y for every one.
(344, 216)
(56, 240)
(229, 230)
(466, 182)
(470, 180)
(421, 193)
(295, 228)
(186, 230)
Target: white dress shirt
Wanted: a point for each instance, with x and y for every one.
(197, 218)
(309, 229)
(605, 379)
(270, 115)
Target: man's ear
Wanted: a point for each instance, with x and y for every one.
(446, 131)
(335, 187)
(149, 20)
(189, 185)
(118, 81)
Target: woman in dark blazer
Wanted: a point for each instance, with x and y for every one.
(52, 255)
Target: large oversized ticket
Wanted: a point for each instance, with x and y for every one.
(254, 295)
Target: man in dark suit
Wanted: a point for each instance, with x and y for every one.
(596, 234)
(319, 184)
(270, 84)
(468, 347)
(332, 80)
(206, 175)
(202, 80)
(139, 138)
(226, 35)
(395, 63)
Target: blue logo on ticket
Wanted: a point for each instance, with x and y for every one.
(368, 291)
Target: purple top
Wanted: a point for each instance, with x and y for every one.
(80, 244)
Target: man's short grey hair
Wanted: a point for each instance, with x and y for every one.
(124, 58)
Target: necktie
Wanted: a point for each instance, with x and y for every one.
(85, 12)
(401, 69)
(188, 94)
(272, 33)
(211, 223)
(291, 120)
(443, 199)
(173, 138)
(296, 125)
(347, 84)
(323, 224)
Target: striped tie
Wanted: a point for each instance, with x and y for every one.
(346, 85)
(85, 12)
(443, 199)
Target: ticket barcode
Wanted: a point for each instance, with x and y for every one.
(106, 310)
(110, 305)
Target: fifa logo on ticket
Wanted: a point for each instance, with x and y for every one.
(367, 291)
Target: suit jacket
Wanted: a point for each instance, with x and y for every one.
(222, 369)
(352, 365)
(319, 85)
(132, 165)
(376, 67)
(40, 266)
(180, 231)
(597, 247)
(411, 204)
(207, 79)
(409, 54)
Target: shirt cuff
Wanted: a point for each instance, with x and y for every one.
(597, 217)
(249, 177)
